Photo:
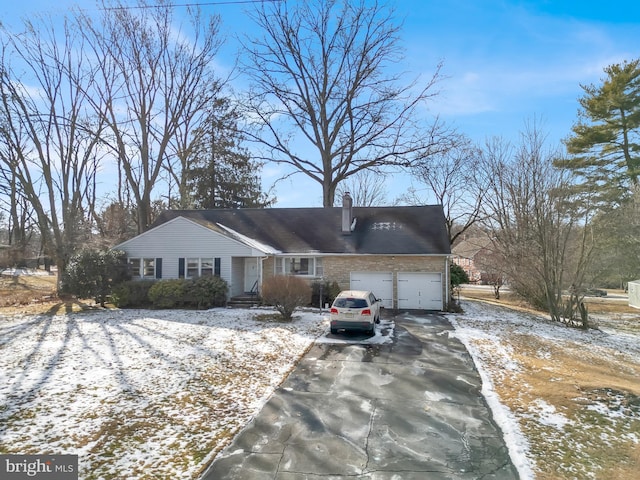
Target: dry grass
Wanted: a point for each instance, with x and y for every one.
(599, 395)
(26, 289)
(572, 380)
(596, 305)
(34, 294)
(564, 375)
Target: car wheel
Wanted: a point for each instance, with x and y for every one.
(378, 319)
(372, 330)
(334, 330)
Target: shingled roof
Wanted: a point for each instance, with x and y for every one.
(376, 230)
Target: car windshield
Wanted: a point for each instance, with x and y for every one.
(350, 303)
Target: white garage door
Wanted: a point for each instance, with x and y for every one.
(418, 290)
(380, 283)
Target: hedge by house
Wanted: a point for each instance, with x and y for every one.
(200, 293)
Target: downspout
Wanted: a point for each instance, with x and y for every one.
(447, 275)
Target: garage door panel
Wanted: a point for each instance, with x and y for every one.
(420, 290)
(380, 283)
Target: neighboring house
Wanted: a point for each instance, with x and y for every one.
(399, 253)
(465, 254)
(634, 293)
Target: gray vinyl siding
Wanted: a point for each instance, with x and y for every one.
(182, 238)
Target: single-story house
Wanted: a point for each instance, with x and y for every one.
(399, 253)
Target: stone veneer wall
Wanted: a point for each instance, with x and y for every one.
(339, 268)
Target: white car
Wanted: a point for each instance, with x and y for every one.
(355, 310)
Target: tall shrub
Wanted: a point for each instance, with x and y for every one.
(132, 294)
(458, 276)
(94, 273)
(328, 290)
(286, 293)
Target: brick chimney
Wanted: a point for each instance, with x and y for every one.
(347, 213)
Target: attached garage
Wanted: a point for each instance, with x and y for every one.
(420, 290)
(380, 283)
(415, 290)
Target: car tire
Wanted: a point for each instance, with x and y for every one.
(372, 330)
(378, 319)
(334, 331)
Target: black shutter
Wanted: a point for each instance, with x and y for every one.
(216, 267)
(181, 268)
(158, 267)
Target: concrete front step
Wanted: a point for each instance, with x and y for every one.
(244, 301)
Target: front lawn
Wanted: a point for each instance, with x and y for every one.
(569, 400)
(157, 394)
(140, 394)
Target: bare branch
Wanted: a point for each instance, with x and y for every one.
(155, 86)
(325, 99)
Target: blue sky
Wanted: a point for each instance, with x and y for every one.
(505, 62)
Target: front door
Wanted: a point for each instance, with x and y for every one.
(250, 274)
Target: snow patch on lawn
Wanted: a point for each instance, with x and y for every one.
(136, 392)
(484, 330)
(141, 393)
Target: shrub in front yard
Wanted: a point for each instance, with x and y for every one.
(167, 293)
(457, 276)
(286, 293)
(206, 292)
(94, 273)
(203, 292)
(132, 294)
(329, 291)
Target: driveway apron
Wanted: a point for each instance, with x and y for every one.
(407, 409)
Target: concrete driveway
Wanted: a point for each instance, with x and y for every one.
(407, 409)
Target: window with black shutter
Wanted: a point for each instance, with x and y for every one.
(181, 268)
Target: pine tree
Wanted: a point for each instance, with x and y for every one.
(605, 144)
(222, 173)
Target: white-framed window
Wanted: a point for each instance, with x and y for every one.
(142, 267)
(193, 267)
(199, 267)
(303, 266)
(206, 267)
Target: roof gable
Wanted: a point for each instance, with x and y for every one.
(377, 230)
(202, 224)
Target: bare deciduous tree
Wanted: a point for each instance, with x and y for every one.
(533, 226)
(52, 137)
(155, 85)
(456, 180)
(326, 99)
(367, 188)
(19, 216)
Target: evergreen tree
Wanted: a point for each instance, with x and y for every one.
(605, 144)
(616, 259)
(94, 274)
(222, 173)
